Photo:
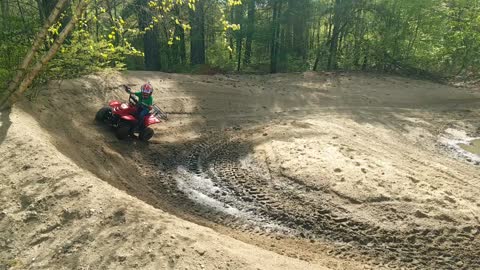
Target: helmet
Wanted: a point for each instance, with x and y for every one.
(147, 90)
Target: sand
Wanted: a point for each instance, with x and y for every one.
(287, 171)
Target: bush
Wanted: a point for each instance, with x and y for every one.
(83, 55)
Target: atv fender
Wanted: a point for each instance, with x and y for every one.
(114, 103)
(151, 120)
(128, 118)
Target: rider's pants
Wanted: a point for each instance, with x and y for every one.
(142, 112)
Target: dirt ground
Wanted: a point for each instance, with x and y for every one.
(287, 171)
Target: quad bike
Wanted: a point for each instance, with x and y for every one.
(123, 118)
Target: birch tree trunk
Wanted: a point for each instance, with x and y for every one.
(17, 92)
(27, 61)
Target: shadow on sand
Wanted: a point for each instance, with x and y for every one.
(5, 123)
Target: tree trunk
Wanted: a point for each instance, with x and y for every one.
(300, 28)
(339, 11)
(151, 46)
(115, 9)
(22, 15)
(291, 12)
(151, 42)
(180, 48)
(231, 34)
(197, 34)
(275, 36)
(97, 26)
(27, 81)
(317, 59)
(296, 35)
(250, 32)
(41, 12)
(112, 13)
(239, 54)
(239, 34)
(411, 43)
(283, 49)
(357, 40)
(45, 7)
(27, 61)
(4, 8)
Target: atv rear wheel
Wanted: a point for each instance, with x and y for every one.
(123, 130)
(102, 114)
(146, 134)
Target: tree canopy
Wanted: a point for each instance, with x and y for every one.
(433, 38)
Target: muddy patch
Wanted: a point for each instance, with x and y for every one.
(473, 147)
(461, 146)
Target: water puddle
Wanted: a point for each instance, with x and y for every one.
(473, 147)
(461, 145)
(200, 189)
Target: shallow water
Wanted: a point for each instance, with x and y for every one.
(473, 147)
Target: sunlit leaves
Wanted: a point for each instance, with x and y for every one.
(53, 30)
(234, 2)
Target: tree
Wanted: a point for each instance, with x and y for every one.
(17, 83)
(341, 19)
(4, 8)
(300, 15)
(151, 43)
(249, 32)
(238, 19)
(45, 7)
(275, 42)
(180, 49)
(427, 38)
(197, 34)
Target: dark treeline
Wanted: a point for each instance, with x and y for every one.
(428, 37)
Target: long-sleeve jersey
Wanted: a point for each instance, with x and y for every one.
(144, 101)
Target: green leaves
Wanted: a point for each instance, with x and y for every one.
(84, 55)
(437, 36)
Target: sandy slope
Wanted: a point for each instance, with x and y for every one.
(55, 215)
(346, 171)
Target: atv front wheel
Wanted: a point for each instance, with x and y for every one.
(146, 134)
(123, 130)
(102, 114)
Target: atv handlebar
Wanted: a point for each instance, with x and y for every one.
(127, 88)
(132, 99)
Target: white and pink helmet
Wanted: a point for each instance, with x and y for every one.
(147, 90)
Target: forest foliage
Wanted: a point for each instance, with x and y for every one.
(431, 38)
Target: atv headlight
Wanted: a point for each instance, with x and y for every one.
(124, 106)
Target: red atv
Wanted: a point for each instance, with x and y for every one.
(122, 117)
